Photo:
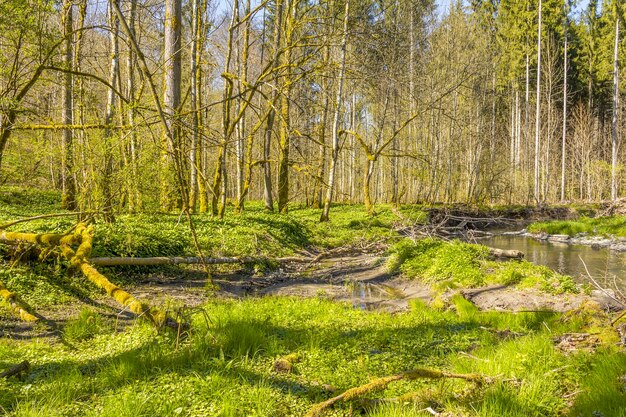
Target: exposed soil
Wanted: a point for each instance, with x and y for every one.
(360, 279)
(505, 298)
(473, 218)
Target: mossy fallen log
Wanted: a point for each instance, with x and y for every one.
(43, 239)
(79, 260)
(16, 306)
(381, 383)
(187, 260)
(164, 260)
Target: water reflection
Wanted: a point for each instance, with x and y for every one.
(605, 266)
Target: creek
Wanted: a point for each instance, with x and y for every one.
(606, 266)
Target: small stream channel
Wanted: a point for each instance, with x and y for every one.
(606, 266)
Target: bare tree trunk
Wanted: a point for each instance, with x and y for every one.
(367, 177)
(318, 201)
(337, 114)
(243, 178)
(134, 198)
(171, 101)
(538, 109)
(68, 185)
(564, 137)
(219, 179)
(267, 140)
(110, 113)
(614, 185)
(193, 96)
(284, 141)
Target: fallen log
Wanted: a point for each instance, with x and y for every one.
(186, 260)
(506, 253)
(16, 369)
(79, 260)
(16, 306)
(381, 383)
(163, 260)
(43, 239)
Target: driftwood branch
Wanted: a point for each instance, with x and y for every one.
(506, 254)
(381, 383)
(16, 369)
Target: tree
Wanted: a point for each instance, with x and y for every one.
(336, 116)
(170, 144)
(68, 197)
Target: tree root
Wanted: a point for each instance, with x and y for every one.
(381, 383)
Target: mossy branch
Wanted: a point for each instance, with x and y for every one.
(16, 306)
(79, 260)
(381, 383)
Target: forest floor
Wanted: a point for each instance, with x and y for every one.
(273, 341)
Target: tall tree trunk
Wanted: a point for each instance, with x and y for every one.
(68, 185)
(336, 116)
(219, 179)
(538, 110)
(318, 197)
(243, 177)
(171, 103)
(367, 177)
(110, 114)
(193, 97)
(285, 121)
(134, 198)
(564, 136)
(269, 126)
(614, 185)
(7, 119)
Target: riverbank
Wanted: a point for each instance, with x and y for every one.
(274, 340)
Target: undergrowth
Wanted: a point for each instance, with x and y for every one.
(611, 226)
(225, 367)
(458, 264)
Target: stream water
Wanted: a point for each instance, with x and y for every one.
(607, 267)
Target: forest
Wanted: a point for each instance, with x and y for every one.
(383, 208)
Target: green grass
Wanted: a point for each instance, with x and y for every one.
(612, 226)
(87, 325)
(253, 233)
(458, 264)
(225, 367)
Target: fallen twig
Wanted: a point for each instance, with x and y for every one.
(16, 369)
(381, 383)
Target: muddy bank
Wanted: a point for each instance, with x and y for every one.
(506, 298)
(472, 218)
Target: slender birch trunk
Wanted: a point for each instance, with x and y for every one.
(336, 116)
(538, 110)
(614, 185)
(564, 135)
(68, 185)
